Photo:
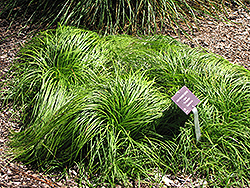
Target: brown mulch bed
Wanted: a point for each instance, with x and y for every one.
(231, 41)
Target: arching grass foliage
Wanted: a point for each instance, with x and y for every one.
(118, 16)
(103, 104)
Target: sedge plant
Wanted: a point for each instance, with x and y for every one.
(103, 104)
(143, 16)
(223, 88)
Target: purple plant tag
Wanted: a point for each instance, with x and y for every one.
(185, 99)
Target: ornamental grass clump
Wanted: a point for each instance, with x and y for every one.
(118, 16)
(54, 59)
(80, 107)
(103, 105)
(108, 130)
(222, 155)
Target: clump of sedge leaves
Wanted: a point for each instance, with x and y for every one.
(103, 104)
(118, 16)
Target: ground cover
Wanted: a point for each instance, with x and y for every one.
(103, 104)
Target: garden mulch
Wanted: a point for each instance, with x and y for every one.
(231, 41)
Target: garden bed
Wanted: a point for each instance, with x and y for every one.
(15, 174)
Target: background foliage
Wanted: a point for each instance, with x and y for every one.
(118, 16)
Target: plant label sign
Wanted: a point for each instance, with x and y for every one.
(185, 99)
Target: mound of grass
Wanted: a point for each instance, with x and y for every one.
(222, 155)
(118, 16)
(103, 104)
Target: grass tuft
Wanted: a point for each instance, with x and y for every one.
(119, 16)
(103, 104)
